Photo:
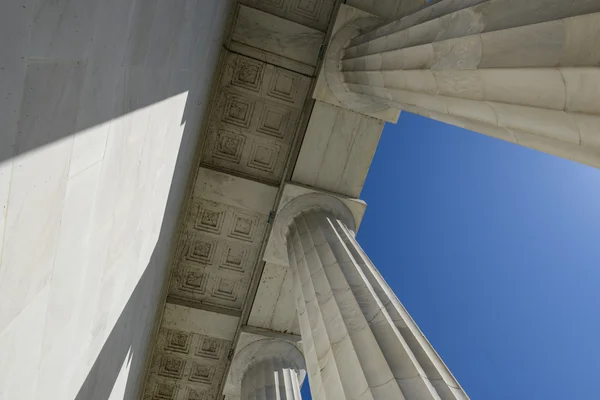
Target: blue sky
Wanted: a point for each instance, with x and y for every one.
(494, 249)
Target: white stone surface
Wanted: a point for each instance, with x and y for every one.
(203, 322)
(274, 307)
(358, 340)
(253, 349)
(100, 112)
(512, 70)
(277, 35)
(296, 198)
(337, 150)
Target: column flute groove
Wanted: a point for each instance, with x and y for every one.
(522, 71)
(353, 346)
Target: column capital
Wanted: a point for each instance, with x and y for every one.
(256, 352)
(297, 199)
(330, 87)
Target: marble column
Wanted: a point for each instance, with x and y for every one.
(358, 340)
(522, 71)
(272, 378)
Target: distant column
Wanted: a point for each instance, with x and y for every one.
(522, 71)
(273, 378)
(358, 340)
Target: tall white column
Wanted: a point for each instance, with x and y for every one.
(358, 340)
(522, 71)
(273, 378)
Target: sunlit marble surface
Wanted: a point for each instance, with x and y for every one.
(101, 103)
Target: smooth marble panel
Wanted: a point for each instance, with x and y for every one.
(62, 328)
(99, 136)
(274, 305)
(20, 346)
(5, 175)
(360, 156)
(38, 183)
(335, 158)
(14, 42)
(267, 296)
(285, 315)
(203, 322)
(234, 191)
(62, 29)
(337, 151)
(138, 37)
(277, 35)
(317, 135)
(164, 38)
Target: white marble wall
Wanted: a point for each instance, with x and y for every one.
(97, 97)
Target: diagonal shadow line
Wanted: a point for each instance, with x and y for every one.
(77, 67)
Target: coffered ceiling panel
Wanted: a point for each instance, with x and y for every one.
(223, 232)
(190, 354)
(254, 118)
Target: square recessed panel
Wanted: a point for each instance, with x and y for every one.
(226, 289)
(243, 226)
(283, 85)
(165, 391)
(178, 341)
(199, 394)
(263, 156)
(193, 280)
(171, 367)
(274, 120)
(238, 110)
(209, 219)
(307, 8)
(201, 251)
(235, 258)
(210, 347)
(229, 146)
(248, 73)
(202, 373)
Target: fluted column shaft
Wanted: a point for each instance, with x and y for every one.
(358, 340)
(522, 71)
(273, 378)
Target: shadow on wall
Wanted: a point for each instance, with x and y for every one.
(127, 344)
(97, 60)
(81, 72)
